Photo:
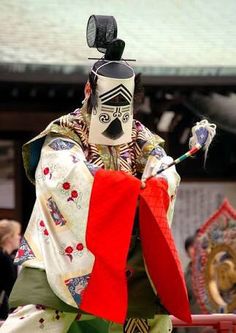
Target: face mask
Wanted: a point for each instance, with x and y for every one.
(112, 118)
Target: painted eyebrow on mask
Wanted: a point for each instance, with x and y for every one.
(108, 109)
(113, 108)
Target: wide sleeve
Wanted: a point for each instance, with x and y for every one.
(55, 239)
(73, 230)
(151, 156)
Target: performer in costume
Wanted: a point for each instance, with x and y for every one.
(81, 245)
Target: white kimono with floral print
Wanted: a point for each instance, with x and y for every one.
(55, 237)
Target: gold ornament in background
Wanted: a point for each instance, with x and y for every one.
(221, 277)
(214, 265)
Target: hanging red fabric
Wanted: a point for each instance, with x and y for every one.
(159, 250)
(112, 208)
(111, 214)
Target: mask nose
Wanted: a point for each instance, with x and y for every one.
(117, 113)
(114, 130)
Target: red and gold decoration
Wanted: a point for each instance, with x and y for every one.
(214, 267)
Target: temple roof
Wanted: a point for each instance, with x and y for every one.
(166, 37)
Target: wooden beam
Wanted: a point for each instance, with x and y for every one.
(26, 121)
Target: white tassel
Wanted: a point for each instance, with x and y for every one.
(202, 133)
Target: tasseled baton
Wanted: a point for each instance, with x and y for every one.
(202, 135)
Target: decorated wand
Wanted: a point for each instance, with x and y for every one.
(202, 135)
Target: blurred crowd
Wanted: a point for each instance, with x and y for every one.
(10, 234)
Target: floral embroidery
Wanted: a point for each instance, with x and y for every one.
(71, 251)
(41, 223)
(72, 194)
(24, 253)
(41, 323)
(54, 210)
(43, 230)
(79, 246)
(68, 249)
(50, 315)
(66, 186)
(77, 286)
(58, 315)
(59, 144)
(40, 307)
(68, 252)
(47, 172)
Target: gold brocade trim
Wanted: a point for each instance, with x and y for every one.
(110, 156)
(59, 126)
(26, 163)
(65, 131)
(75, 127)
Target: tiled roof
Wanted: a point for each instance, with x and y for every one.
(165, 36)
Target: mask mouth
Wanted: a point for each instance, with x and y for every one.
(114, 130)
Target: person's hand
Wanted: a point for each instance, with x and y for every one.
(153, 165)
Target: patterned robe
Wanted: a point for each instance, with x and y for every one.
(62, 164)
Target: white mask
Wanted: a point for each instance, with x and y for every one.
(112, 118)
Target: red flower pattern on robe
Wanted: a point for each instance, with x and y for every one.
(66, 186)
(70, 251)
